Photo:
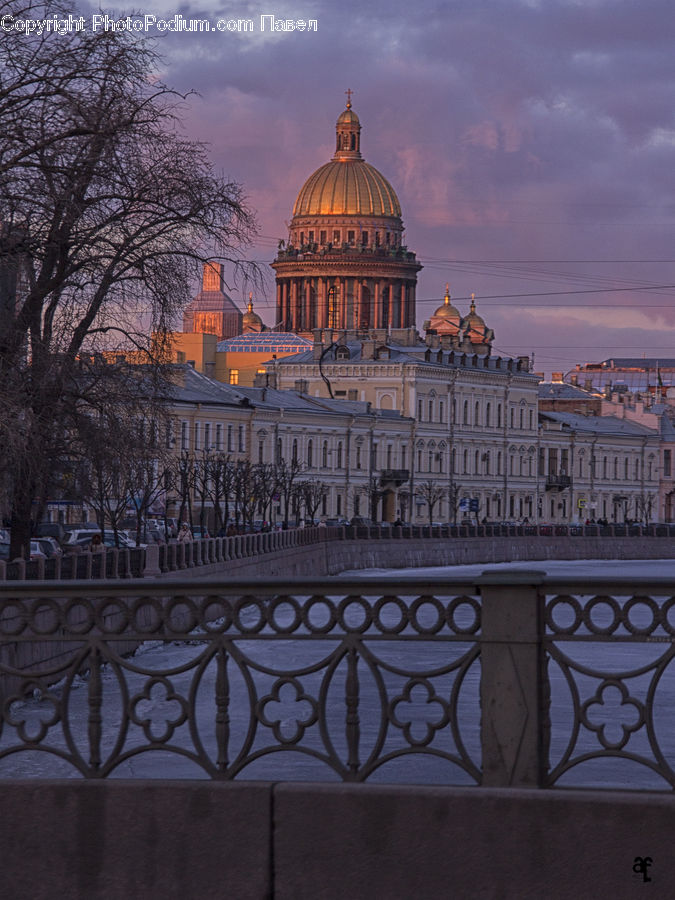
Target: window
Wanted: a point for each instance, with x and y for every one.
(419, 410)
(241, 439)
(207, 436)
(441, 411)
(389, 451)
(219, 437)
(234, 376)
(476, 414)
(487, 415)
(465, 418)
(616, 467)
(358, 456)
(338, 505)
(403, 455)
(196, 444)
(522, 419)
(294, 454)
(322, 237)
(350, 237)
(324, 455)
(465, 461)
(486, 457)
(499, 464)
(625, 468)
(513, 418)
(364, 238)
(431, 459)
(230, 440)
(310, 237)
(310, 453)
(476, 462)
(339, 455)
(336, 240)
(499, 415)
(261, 452)
(184, 443)
(431, 410)
(667, 463)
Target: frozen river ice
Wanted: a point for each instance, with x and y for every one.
(180, 660)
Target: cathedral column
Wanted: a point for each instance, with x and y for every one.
(402, 306)
(280, 306)
(376, 316)
(392, 304)
(294, 305)
(308, 304)
(342, 308)
(358, 300)
(322, 294)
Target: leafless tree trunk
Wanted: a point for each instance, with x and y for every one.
(107, 214)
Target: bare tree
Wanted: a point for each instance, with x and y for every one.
(107, 213)
(432, 493)
(312, 493)
(287, 474)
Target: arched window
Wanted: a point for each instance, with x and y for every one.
(476, 463)
(466, 413)
(465, 461)
(486, 456)
(487, 415)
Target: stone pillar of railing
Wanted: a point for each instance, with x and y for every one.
(151, 568)
(514, 687)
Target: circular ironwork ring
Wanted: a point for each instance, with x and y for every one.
(402, 607)
(641, 601)
(284, 600)
(593, 603)
(450, 614)
(309, 605)
(365, 606)
(566, 600)
(425, 600)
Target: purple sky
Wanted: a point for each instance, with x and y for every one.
(531, 144)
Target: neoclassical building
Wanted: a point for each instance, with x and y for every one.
(344, 264)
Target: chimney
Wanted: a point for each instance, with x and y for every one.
(317, 346)
(574, 379)
(557, 377)
(368, 349)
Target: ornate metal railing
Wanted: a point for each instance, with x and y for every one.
(514, 679)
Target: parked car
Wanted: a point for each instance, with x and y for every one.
(199, 533)
(49, 546)
(36, 551)
(361, 520)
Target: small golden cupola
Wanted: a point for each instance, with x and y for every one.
(474, 328)
(446, 319)
(251, 321)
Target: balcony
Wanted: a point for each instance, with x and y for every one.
(397, 477)
(558, 482)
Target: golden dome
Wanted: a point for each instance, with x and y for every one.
(447, 310)
(350, 187)
(473, 319)
(348, 117)
(251, 320)
(347, 185)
